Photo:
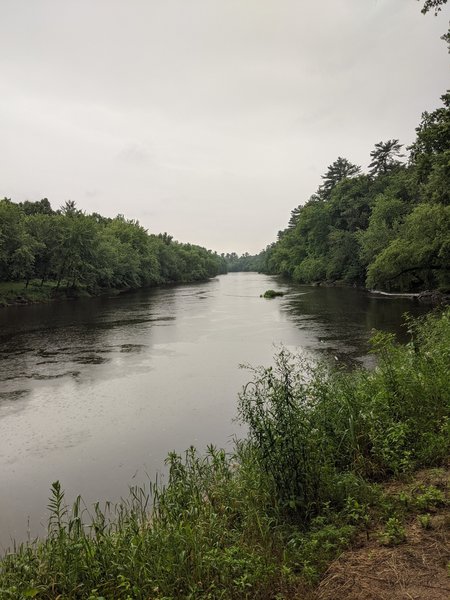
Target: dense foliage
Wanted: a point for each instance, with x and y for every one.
(75, 250)
(246, 262)
(259, 522)
(387, 229)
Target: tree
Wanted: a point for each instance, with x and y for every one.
(343, 260)
(17, 246)
(295, 215)
(419, 257)
(350, 202)
(46, 231)
(437, 187)
(69, 208)
(385, 220)
(435, 5)
(336, 172)
(165, 238)
(433, 132)
(430, 153)
(42, 207)
(385, 157)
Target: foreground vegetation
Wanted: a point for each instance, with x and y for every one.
(46, 253)
(268, 518)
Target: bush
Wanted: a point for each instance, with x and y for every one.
(272, 294)
(310, 426)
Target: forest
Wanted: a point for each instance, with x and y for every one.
(68, 251)
(387, 228)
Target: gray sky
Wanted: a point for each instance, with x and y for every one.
(209, 119)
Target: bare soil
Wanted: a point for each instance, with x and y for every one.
(417, 569)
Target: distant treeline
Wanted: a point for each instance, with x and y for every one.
(78, 250)
(388, 228)
(246, 262)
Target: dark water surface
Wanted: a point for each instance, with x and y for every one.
(96, 392)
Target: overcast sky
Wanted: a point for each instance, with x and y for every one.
(209, 119)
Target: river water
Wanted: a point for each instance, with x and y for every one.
(96, 392)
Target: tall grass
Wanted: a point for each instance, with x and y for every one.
(310, 426)
(253, 523)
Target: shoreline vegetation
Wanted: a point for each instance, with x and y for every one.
(386, 228)
(333, 460)
(48, 254)
(18, 293)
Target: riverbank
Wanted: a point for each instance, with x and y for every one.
(266, 520)
(412, 565)
(18, 293)
(432, 297)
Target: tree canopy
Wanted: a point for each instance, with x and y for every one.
(336, 172)
(78, 250)
(385, 157)
(388, 228)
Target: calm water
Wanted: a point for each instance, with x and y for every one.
(96, 392)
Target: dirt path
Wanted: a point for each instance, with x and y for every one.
(417, 569)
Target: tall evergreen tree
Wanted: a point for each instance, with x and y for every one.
(336, 172)
(385, 157)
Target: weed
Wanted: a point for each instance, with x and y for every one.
(425, 521)
(394, 533)
(429, 498)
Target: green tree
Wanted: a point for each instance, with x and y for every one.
(41, 207)
(384, 223)
(77, 263)
(343, 260)
(350, 203)
(429, 154)
(295, 216)
(419, 257)
(45, 229)
(17, 246)
(336, 172)
(433, 132)
(435, 5)
(69, 209)
(385, 157)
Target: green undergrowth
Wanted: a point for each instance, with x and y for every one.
(265, 520)
(18, 292)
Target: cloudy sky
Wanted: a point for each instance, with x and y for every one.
(209, 119)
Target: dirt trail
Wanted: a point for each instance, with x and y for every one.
(417, 569)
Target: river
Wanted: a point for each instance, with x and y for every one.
(96, 392)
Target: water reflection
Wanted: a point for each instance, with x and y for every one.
(344, 319)
(96, 392)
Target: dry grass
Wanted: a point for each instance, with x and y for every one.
(414, 570)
